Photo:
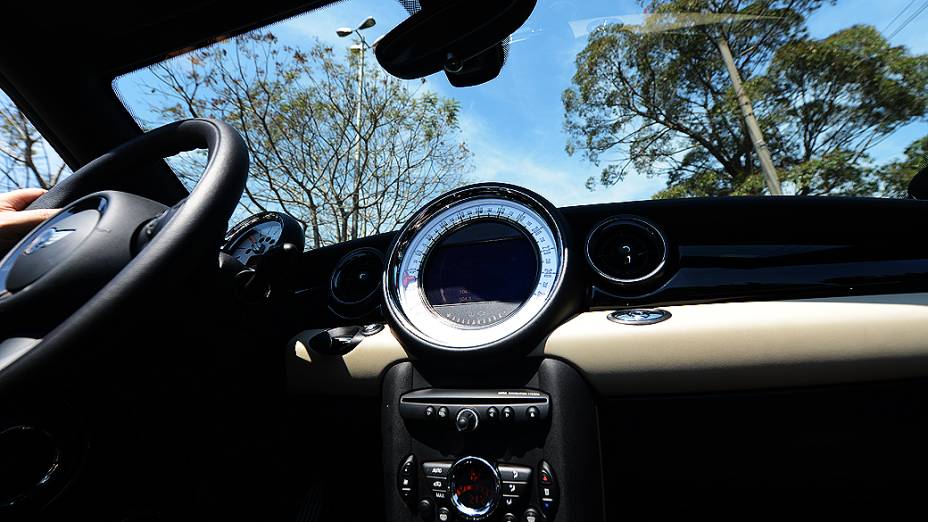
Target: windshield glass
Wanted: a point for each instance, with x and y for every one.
(599, 101)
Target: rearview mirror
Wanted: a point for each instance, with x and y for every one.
(463, 37)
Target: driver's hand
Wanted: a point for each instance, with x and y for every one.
(16, 222)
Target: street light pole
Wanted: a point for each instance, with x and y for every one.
(750, 121)
(361, 47)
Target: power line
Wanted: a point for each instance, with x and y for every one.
(908, 20)
(900, 13)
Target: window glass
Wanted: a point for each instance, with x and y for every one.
(26, 159)
(599, 101)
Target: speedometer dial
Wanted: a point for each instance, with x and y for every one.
(477, 275)
(476, 269)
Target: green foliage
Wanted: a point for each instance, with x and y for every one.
(895, 176)
(342, 175)
(662, 103)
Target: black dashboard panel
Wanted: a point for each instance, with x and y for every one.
(751, 248)
(726, 249)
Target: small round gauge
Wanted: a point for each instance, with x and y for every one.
(256, 241)
(260, 234)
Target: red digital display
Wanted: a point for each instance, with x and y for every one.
(474, 486)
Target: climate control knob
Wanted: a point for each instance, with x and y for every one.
(467, 420)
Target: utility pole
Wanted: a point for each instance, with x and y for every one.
(750, 121)
(662, 23)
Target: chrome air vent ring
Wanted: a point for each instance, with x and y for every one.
(627, 250)
(356, 277)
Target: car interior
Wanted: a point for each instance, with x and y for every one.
(168, 354)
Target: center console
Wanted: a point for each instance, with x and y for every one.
(475, 428)
(523, 446)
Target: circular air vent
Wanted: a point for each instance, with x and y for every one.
(626, 250)
(357, 276)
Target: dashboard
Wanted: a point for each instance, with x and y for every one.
(512, 324)
(493, 269)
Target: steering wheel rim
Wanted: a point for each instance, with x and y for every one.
(194, 227)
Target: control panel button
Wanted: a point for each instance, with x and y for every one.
(406, 479)
(511, 502)
(493, 415)
(438, 483)
(436, 469)
(531, 515)
(516, 489)
(547, 488)
(547, 505)
(407, 494)
(426, 509)
(544, 477)
(443, 413)
(512, 473)
(532, 413)
(429, 412)
(440, 494)
(508, 413)
(509, 517)
(444, 515)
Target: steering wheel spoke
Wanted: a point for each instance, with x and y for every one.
(103, 251)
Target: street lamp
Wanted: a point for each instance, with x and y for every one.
(361, 47)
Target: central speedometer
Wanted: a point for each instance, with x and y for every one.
(481, 273)
(475, 266)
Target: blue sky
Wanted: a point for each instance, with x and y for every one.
(514, 124)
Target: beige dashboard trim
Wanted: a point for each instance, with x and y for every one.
(355, 373)
(730, 346)
(705, 347)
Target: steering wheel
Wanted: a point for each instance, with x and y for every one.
(66, 279)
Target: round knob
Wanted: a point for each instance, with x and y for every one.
(426, 509)
(474, 485)
(467, 420)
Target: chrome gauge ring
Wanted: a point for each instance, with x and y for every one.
(475, 266)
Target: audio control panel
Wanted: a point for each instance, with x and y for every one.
(521, 447)
(474, 488)
(470, 410)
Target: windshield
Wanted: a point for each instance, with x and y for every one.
(599, 101)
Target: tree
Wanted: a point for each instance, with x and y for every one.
(896, 175)
(661, 103)
(296, 109)
(25, 158)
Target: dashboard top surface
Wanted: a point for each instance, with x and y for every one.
(722, 249)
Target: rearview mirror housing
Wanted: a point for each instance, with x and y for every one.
(463, 37)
